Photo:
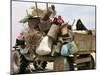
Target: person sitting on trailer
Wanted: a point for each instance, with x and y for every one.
(66, 38)
(67, 35)
(80, 25)
(20, 40)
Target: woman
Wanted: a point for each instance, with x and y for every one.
(20, 41)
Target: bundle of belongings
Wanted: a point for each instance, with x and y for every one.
(47, 38)
(57, 40)
(50, 37)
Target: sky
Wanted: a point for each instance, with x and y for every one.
(68, 12)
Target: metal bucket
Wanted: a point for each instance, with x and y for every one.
(54, 31)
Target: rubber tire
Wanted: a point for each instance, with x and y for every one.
(88, 65)
(15, 62)
(21, 64)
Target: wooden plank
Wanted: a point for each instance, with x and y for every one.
(84, 42)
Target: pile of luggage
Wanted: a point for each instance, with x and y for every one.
(44, 38)
(47, 36)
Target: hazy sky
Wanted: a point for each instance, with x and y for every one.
(68, 12)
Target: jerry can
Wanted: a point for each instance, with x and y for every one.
(54, 31)
(45, 46)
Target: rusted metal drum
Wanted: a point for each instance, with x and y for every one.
(54, 31)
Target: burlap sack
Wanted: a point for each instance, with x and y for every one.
(33, 37)
(56, 49)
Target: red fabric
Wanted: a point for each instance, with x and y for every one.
(60, 20)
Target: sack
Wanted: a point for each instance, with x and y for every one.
(45, 46)
(56, 49)
(65, 50)
(33, 38)
(74, 48)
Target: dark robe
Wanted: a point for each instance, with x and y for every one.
(80, 25)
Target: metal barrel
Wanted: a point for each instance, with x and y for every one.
(54, 31)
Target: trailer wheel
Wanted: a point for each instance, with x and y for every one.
(87, 65)
(19, 63)
(15, 66)
(39, 64)
(23, 64)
